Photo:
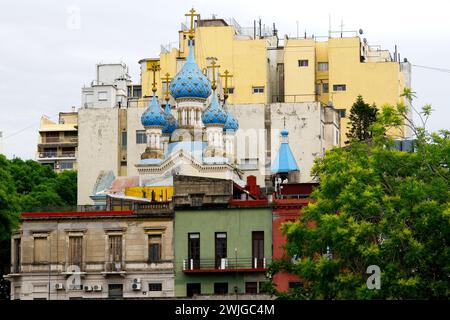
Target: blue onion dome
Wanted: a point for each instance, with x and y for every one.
(231, 124)
(153, 116)
(214, 114)
(171, 123)
(284, 132)
(190, 82)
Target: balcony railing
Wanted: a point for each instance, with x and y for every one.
(225, 265)
(59, 140)
(56, 154)
(114, 267)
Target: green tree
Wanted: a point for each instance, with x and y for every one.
(376, 206)
(362, 116)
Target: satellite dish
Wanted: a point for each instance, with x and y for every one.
(360, 31)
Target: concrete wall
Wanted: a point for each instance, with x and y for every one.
(98, 148)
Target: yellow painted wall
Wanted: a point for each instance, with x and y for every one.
(165, 192)
(246, 60)
(299, 83)
(376, 82)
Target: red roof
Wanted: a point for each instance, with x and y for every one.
(74, 214)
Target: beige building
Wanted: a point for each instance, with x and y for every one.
(58, 142)
(73, 255)
(112, 139)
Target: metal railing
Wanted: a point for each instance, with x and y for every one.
(293, 98)
(225, 264)
(114, 267)
(56, 154)
(59, 139)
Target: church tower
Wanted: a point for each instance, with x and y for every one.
(284, 167)
(153, 119)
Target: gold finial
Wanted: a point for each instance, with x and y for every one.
(154, 68)
(166, 79)
(192, 14)
(226, 75)
(213, 66)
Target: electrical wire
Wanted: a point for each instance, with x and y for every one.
(432, 68)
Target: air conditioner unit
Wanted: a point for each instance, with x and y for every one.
(59, 286)
(136, 286)
(87, 288)
(97, 287)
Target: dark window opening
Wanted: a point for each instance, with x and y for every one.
(220, 248)
(194, 249)
(303, 63)
(221, 288)
(155, 287)
(193, 289)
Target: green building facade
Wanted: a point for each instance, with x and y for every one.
(219, 251)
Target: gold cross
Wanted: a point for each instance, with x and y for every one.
(213, 66)
(192, 14)
(226, 75)
(154, 68)
(166, 79)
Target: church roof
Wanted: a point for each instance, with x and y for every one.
(231, 124)
(284, 161)
(214, 114)
(171, 122)
(190, 82)
(153, 116)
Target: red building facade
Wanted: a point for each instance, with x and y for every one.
(288, 202)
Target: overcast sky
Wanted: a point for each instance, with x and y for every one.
(48, 51)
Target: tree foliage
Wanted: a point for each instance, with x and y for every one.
(376, 206)
(362, 116)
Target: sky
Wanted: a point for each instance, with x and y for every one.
(49, 49)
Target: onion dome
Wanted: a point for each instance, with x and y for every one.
(231, 124)
(214, 114)
(171, 122)
(190, 82)
(153, 116)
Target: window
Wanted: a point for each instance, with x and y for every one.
(193, 289)
(66, 165)
(103, 96)
(154, 248)
(325, 88)
(322, 66)
(40, 250)
(141, 137)
(317, 88)
(249, 164)
(75, 250)
(221, 288)
(155, 286)
(257, 249)
(258, 89)
(196, 200)
(339, 87)
(303, 63)
(124, 140)
(230, 90)
(341, 113)
(115, 291)
(194, 249)
(220, 248)
(17, 247)
(251, 287)
(115, 248)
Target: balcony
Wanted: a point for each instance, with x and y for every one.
(114, 268)
(56, 155)
(225, 265)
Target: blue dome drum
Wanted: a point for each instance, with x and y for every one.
(190, 82)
